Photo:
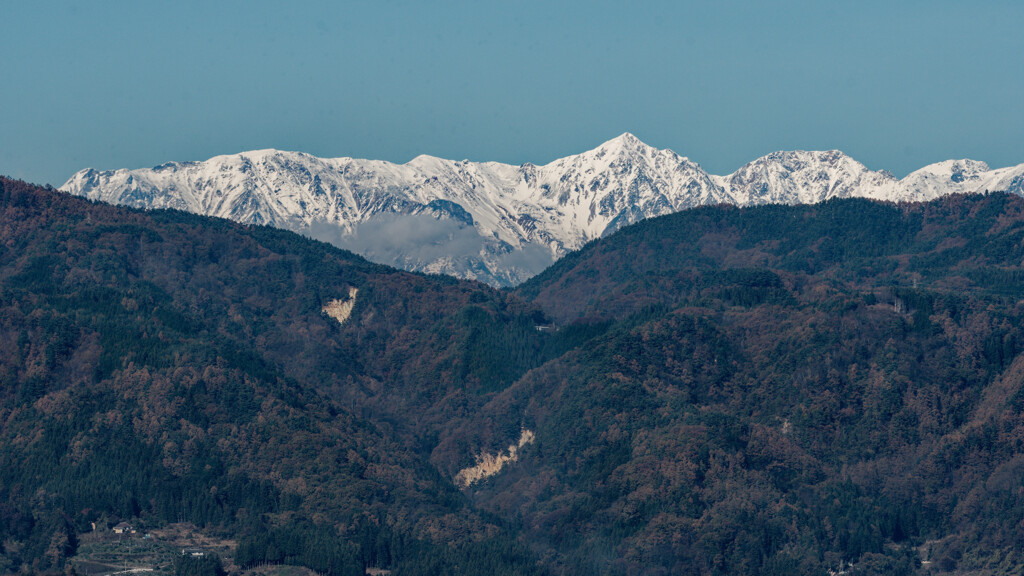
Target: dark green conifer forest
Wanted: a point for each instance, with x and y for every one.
(770, 390)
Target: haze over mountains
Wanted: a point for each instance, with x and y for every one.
(500, 223)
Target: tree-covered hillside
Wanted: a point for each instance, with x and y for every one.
(774, 390)
(784, 389)
(167, 367)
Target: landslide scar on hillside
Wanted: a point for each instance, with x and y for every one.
(488, 465)
(341, 309)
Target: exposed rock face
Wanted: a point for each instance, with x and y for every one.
(488, 465)
(340, 309)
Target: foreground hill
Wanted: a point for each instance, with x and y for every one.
(164, 367)
(784, 389)
(769, 390)
(498, 223)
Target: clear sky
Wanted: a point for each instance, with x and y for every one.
(895, 84)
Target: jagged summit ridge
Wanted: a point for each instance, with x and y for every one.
(497, 222)
(805, 177)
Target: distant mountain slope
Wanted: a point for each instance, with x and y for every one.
(499, 223)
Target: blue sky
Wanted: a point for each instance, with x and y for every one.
(897, 85)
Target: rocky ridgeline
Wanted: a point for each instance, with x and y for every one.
(499, 223)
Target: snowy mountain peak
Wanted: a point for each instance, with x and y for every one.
(624, 141)
(795, 160)
(955, 170)
(962, 176)
(801, 177)
(496, 222)
(624, 146)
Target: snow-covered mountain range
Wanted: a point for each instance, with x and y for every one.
(500, 223)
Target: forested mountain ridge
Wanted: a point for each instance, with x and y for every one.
(957, 242)
(770, 390)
